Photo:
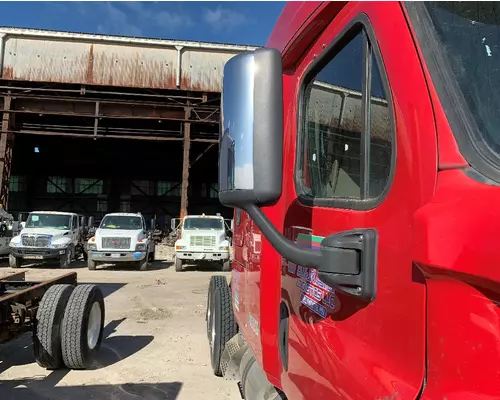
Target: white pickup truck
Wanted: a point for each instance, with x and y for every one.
(121, 238)
(202, 238)
(48, 235)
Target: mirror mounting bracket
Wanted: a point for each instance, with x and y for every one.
(346, 260)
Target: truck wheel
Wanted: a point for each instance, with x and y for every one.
(82, 326)
(91, 264)
(226, 266)
(65, 259)
(215, 282)
(178, 265)
(47, 327)
(223, 326)
(15, 262)
(143, 265)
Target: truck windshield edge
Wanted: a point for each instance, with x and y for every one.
(53, 221)
(203, 223)
(121, 222)
(462, 39)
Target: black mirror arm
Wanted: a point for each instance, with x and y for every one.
(283, 246)
(346, 260)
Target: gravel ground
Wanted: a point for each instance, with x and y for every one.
(155, 344)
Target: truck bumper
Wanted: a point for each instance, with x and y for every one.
(27, 253)
(116, 256)
(202, 256)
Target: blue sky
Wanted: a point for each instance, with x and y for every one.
(225, 22)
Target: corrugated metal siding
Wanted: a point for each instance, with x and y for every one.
(67, 61)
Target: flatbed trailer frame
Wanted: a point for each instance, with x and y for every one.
(19, 301)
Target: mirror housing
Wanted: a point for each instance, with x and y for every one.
(172, 224)
(251, 144)
(91, 221)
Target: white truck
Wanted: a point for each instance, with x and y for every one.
(46, 236)
(202, 238)
(121, 238)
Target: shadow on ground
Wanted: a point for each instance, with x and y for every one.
(113, 349)
(203, 266)
(33, 389)
(153, 266)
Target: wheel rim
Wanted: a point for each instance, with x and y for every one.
(211, 330)
(94, 326)
(209, 313)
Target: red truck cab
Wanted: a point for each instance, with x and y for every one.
(361, 152)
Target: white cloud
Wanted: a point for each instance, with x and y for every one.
(222, 18)
(165, 19)
(129, 17)
(243, 176)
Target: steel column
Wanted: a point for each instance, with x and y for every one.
(5, 152)
(185, 164)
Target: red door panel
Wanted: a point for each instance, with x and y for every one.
(339, 347)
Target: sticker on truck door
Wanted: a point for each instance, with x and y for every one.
(314, 294)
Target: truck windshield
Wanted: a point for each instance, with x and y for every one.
(202, 223)
(121, 222)
(468, 37)
(54, 221)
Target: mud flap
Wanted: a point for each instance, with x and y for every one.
(231, 357)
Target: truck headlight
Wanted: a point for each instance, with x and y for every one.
(178, 247)
(140, 247)
(92, 246)
(224, 248)
(59, 245)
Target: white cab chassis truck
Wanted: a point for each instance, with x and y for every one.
(202, 238)
(46, 236)
(121, 238)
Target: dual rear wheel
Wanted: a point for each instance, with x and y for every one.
(69, 326)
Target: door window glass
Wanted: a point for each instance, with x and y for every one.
(345, 141)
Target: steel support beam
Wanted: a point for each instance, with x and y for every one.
(185, 164)
(5, 152)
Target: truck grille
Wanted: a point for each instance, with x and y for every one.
(202, 241)
(115, 243)
(36, 240)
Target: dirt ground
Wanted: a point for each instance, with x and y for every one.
(155, 344)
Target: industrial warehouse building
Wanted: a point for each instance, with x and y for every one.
(96, 124)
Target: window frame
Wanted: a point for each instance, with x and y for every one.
(357, 25)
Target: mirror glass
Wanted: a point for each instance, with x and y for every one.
(236, 149)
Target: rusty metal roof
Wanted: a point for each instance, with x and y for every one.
(66, 57)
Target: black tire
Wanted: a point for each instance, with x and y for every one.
(47, 327)
(223, 323)
(226, 266)
(65, 259)
(178, 265)
(91, 264)
(143, 265)
(15, 262)
(78, 351)
(215, 282)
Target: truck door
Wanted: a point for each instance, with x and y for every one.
(365, 157)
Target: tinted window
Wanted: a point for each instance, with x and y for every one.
(380, 135)
(333, 128)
